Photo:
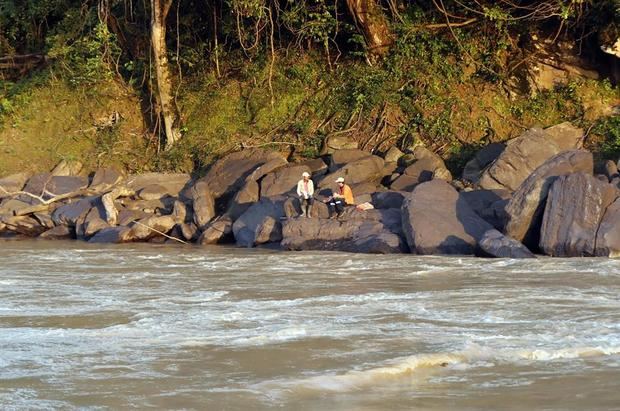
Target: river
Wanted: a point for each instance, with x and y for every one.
(172, 327)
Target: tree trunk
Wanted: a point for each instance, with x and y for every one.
(165, 99)
(369, 17)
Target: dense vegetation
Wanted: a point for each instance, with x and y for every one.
(287, 73)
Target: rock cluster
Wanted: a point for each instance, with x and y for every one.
(535, 194)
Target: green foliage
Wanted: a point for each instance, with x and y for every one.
(609, 129)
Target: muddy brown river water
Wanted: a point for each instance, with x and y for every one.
(167, 327)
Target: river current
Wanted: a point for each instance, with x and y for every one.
(173, 327)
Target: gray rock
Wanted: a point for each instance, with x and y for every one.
(282, 181)
(481, 160)
(436, 220)
(69, 214)
(112, 235)
(229, 174)
(24, 225)
(37, 185)
(422, 170)
(368, 169)
(405, 182)
(268, 231)
(526, 208)
(393, 154)
(246, 227)
(372, 231)
(244, 198)
(520, 158)
(496, 214)
(337, 142)
(188, 231)
(161, 206)
(341, 158)
(67, 168)
(150, 227)
(317, 166)
(11, 206)
(57, 233)
(203, 204)
(388, 199)
(608, 234)
(576, 204)
(104, 179)
(611, 170)
(217, 232)
(495, 244)
(565, 136)
(157, 185)
(12, 183)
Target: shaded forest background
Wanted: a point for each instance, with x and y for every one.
(87, 79)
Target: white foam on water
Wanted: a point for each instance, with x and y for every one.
(407, 367)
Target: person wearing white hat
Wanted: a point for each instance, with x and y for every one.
(342, 197)
(305, 191)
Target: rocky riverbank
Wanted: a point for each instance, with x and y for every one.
(539, 193)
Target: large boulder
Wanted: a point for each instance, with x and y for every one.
(203, 204)
(250, 228)
(436, 220)
(282, 181)
(37, 185)
(566, 136)
(218, 231)
(12, 183)
(24, 225)
(393, 155)
(93, 222)
(244, 198)
(161, 206)
(67, 168)
(59, 185)
(150, 227)
(426, 165)
(57, 233)
(337, 142)
(495, 244)
(341, 158)
(229, 174)
(367, 169)
(575, 207)
(250, 191)
(118, 234)
(153, 186)
(388, 199)
(489, 205)
(526, 207)
(481, 160)
(104, 179)
(608, 235)
(69, 214)
(520, 158)
(12, 206)
(316, 165)
(372, 231)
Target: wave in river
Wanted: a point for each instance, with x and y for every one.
(473, 356)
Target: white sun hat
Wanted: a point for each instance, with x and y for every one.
(305, 174)
(340, 180)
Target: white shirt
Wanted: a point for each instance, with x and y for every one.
(301, 189)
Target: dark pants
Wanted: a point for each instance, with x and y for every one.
(306, 202)
(336, 205)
